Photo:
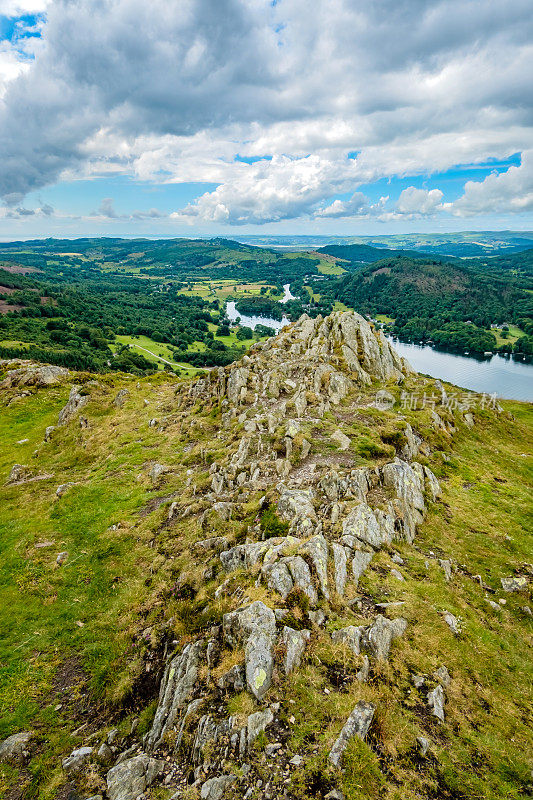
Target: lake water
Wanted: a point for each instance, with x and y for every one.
(251, 322)
(505, 376)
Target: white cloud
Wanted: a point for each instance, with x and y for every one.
(508, 191)
(419, 201)
(172, 92)
(270, 191)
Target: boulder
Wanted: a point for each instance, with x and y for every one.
(362, 524)
(407, 485)
(360, 562)
(128, 780)
(513, 584)
(339, 563)
(75, 763)
(34, 376)
(301, 575)
(341, 440)
(295, 504)
(378, 637)
(75, 403)
(215, 788)
(436, 700)
(294, 643)
(233, 680)
(317, 550)
(178, 684)
(121, 398)
(350, 636)
(357, 724)
(257, 723)
(15, 749)
(255, 627)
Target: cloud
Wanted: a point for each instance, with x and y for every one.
(419, 201)
(357, 204)
(172, 92)
(510, 191)
(107, 209)
(272, 190)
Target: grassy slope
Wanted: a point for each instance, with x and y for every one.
(113, 581)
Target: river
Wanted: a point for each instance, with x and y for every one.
(504, 376)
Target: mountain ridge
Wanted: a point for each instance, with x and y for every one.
(287, 603)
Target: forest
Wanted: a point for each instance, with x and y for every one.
(86, 303)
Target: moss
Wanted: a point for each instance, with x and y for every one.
(271, 525)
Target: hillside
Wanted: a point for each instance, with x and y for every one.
(356, 254)
(304, 575)
(451, 304)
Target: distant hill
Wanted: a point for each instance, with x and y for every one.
(449, 303)
(364, 253)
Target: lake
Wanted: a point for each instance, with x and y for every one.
(505, 376)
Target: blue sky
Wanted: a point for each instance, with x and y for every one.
(242, 115)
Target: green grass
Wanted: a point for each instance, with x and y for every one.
(119, 583)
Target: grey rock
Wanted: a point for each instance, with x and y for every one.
(317, 550)
(256, 724)
(233, 680)
(255, 627)
(317, 617)
(301, 575)
(48, 432)
(378, 637)
(76, 762)
(295, 504)
(75, 403)
(341, 572)
(418, 681)
(156, 470)
(237, 381)
(104, 754)
(396, 557)
(357, 724)
(216, 543)
(178, 684)
(443, 676)
(432, 485)
(341, 440)
(362, 524)
(452, 622)
(423, 744)
(513, 584)
(214, 788)
(278, 578)
(397, 574)
(350, 636)
(360, 562)
(128, 780)
(121, 398)
(15, 749)
(446, 566)
(408, 486)
(295, 643)
(34, 376)
(363, 673)
(335, 794)
(63, 488)
(436, 700)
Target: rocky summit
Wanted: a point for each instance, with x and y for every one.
(286, 578)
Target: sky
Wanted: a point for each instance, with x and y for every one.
(229, 117)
